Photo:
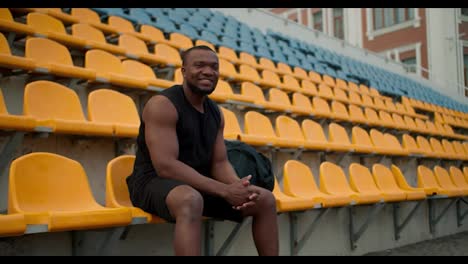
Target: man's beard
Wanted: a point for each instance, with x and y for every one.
(196, 90)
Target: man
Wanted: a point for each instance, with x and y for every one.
(181, 170)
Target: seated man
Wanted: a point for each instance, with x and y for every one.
(181, 170)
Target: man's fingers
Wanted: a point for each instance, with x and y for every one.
(253, 196)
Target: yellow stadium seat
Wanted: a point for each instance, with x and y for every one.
(259, 131)
(458, 178)
(223, 92)
(354, 98)
(12, 225)
(287, 203)
(94, 38)
(386, 143)
(8, 24)
(315, 77)
(445, 182)
(362, 181)
(450, 150)
(403, 184)
(298, 181)
(387, 183)
(328, 80)
(314, 136)
(373, 118)
(284, 68)
(228, 54)
(333, 181)
(144, 74)
(300, 73)
(180, 41)
(459, 150)
(87, 15)
(427, 180)
(321, 108)
(267, 64)
(57, 60)
(8, 60)
(109, 68)
(251, 90)
(356, 115)
(361, 141)
(280, 98)
(125, 27)
(301, 101)
(386, 118)
(438, 149)
(325, 91)
(341, 84)
(290, 83)
(117, 195)
(58, 107)
(232, 129)
(308, 88)
(53, 190)
(168, 55)
(249, 73)
(409, 144)
(201, 42)
(14, 122)
(289, 130)
(339, 138)
(137, 49)
(248, 59)
(340, 95)
(53, 29)
(339, 111)
(153, 35)
(425, 146)
(117, 109)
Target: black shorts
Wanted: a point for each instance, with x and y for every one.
(151, 198)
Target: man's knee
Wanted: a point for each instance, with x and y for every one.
(185, 201)
(267, 200)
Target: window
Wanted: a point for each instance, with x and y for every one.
(386, 17)
(465, 69)
(318, 25)
(464, 11)
(410, 64)
(338, 23)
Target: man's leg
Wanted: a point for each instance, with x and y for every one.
(264, 224)
(186, 206)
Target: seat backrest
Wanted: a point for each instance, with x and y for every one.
(279, 97)
(258, 124)
(132, 44)
(333, 179)
(41, 182)
(267, 64)
(340, 83)
(249, 71)
(86, 14)
(371, 114)
(340, 94)
(328, 80)
(231, 124)
(43, 23)
(300, 100)
(400, 107)
(378, 138)
(436, 146)
(397, 119)
(227, 53)
(390, 105)
(288, 128)
(361, 180)
(5, 14)
(253, 91)
(181, 39)
(152, 32)
(299, 72)
(283, 67)
(385, 116)
(247, 58)
(426, 178)
(109, 106)
(201, 42)
(339, 108)
(420, 124)
(379, 103)
(367, 100)
(315, 77)
(400, 178)
(353, 87)
(4, 46)
(321, 105)
(56, 53)
(118, 169)
(409, 143)
(46, 99)
(354, 98)
(448, 147)
(291, 81)
(309, 86)
(167, 52)
(458, 147)
(121, 23)
(88, 32)
(137, 70)
(103, 61)
(392, 141)
(325, 91)
(363, 89)
(384, 178)
(223, 87)
(356, 112)
(457, 177)
(443, 178)
(313, 131)
(298, 179)
(359, 136)
(424, 144)
(271, 77)
(337, 134)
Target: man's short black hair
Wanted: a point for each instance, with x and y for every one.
(187, 52)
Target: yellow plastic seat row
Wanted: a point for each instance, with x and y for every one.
(53, 191)
(14, 122)
(109, 112)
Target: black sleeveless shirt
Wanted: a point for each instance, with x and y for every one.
(196, 134)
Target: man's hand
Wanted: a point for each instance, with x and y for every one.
(253, 197)
(240, 192)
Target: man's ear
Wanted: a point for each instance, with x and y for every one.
(183, 71)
